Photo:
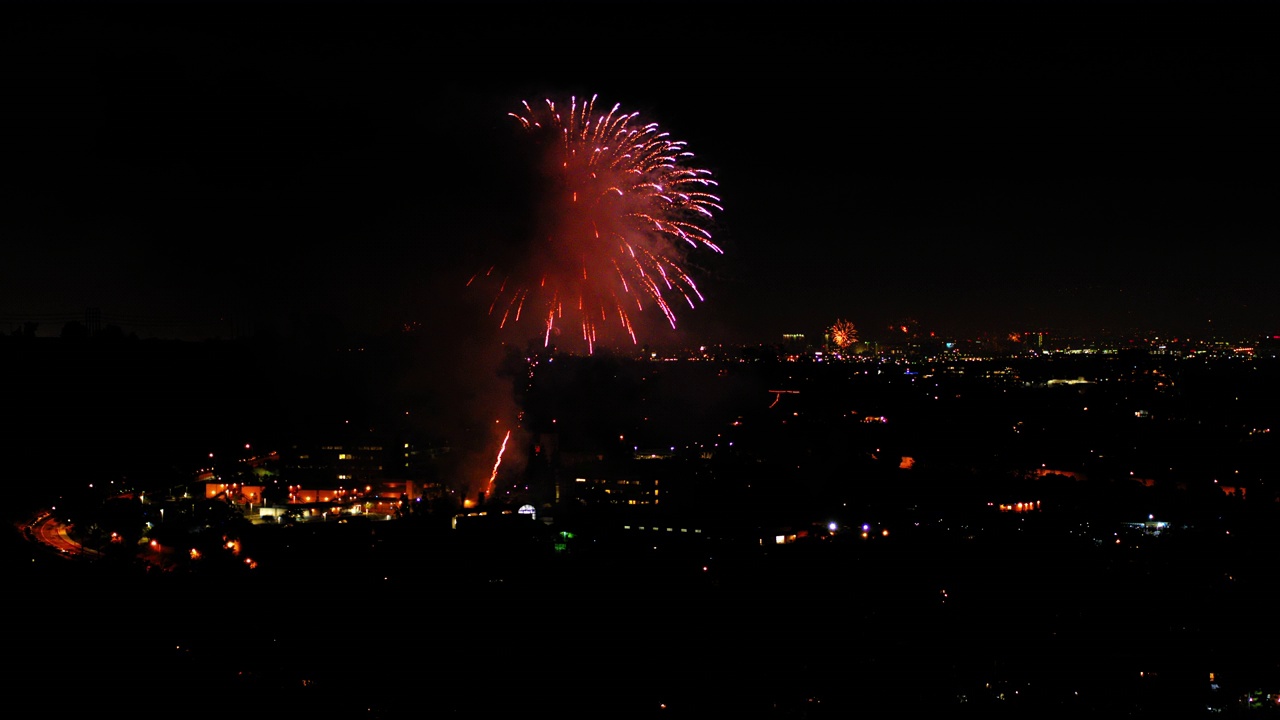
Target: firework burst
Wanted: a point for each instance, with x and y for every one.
(619, 209)
(842, 334)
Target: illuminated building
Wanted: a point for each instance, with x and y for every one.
(598, 490)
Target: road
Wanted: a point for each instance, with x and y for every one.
(49, 531)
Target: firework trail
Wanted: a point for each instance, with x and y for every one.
(488, 490)
(619, 210)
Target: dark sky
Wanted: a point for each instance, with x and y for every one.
(1080, 167)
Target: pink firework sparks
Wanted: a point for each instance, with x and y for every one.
(621, 209)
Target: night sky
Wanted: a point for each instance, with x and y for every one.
(1078, 167)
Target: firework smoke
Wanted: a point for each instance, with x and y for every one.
(619, 211)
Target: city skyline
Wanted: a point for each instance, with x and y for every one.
(964, 538)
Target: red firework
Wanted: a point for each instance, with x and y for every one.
(622, 208)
